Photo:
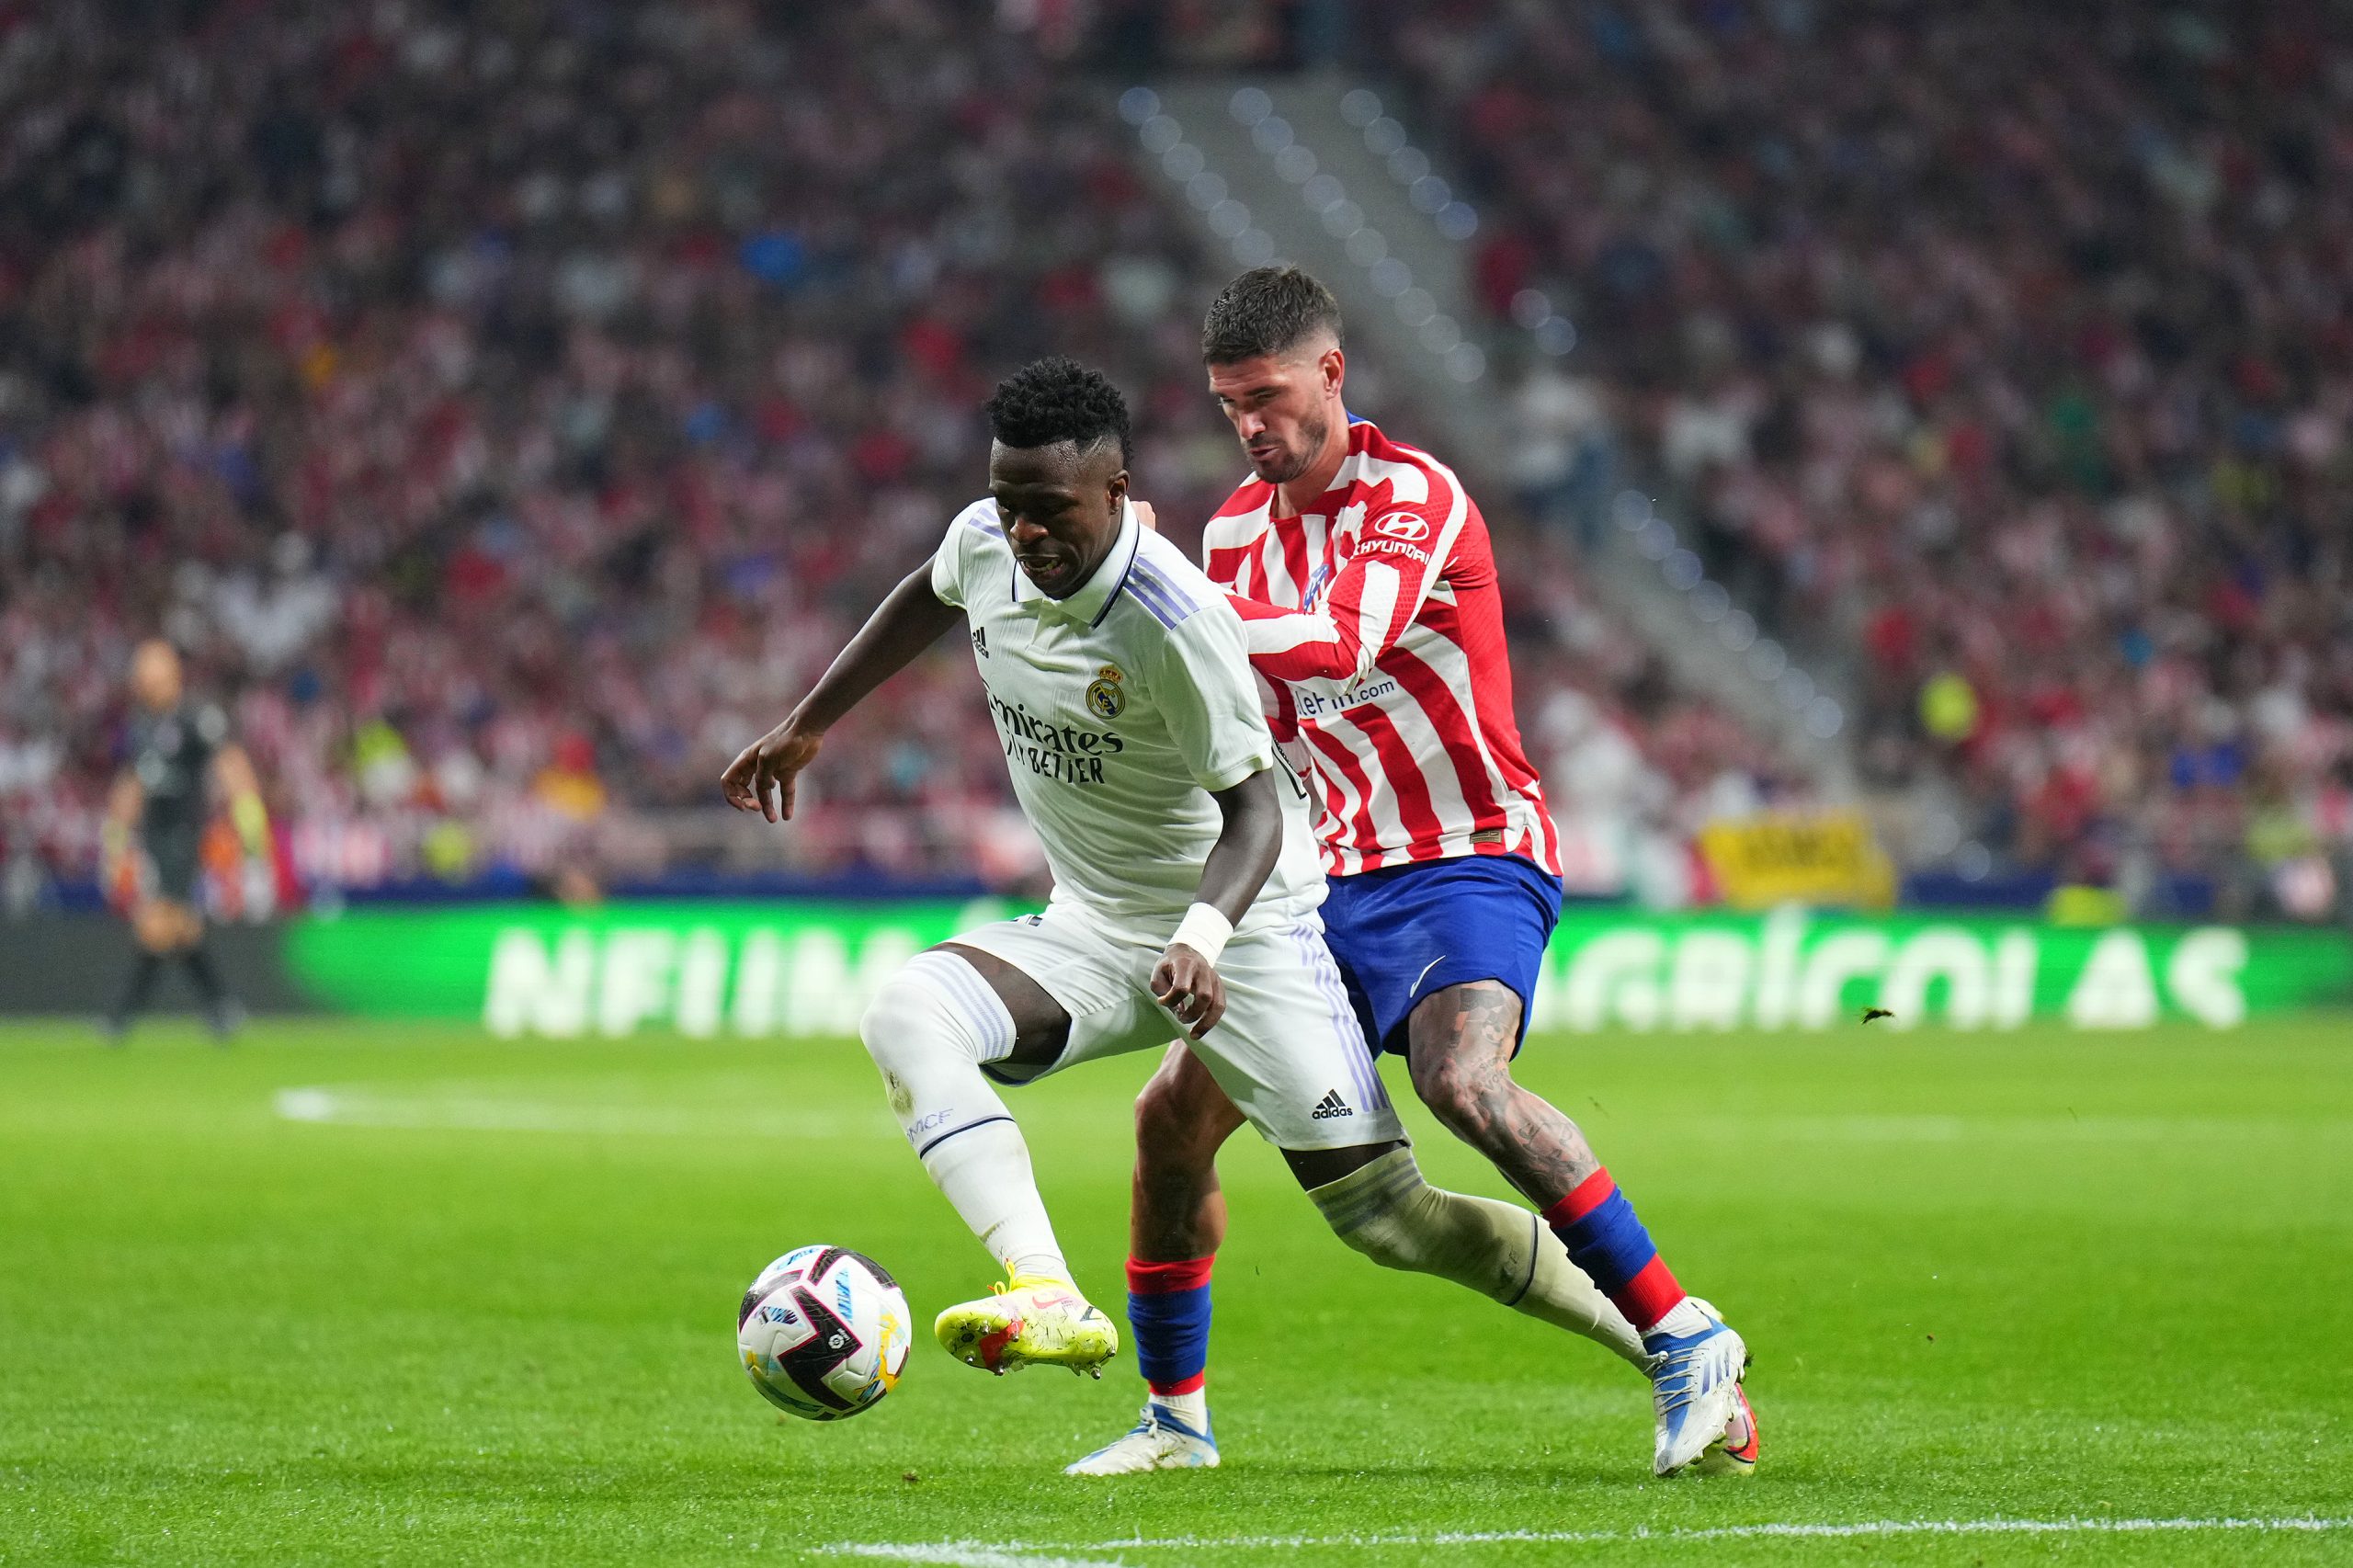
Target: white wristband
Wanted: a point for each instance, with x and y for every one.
(1204, 930)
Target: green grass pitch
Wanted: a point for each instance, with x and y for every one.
(351, 1293)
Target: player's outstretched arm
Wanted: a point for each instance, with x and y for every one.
(1185, 979)
(909, 620)
(1376, 596)
(233, 770)
(1368, 608)
(124, 802)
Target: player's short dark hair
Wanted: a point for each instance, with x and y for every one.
(1056, 399)
(1268, 309)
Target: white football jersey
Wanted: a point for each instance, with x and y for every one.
(1120, 708)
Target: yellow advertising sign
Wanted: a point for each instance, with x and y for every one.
(1822, 858)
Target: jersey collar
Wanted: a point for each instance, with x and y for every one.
(1093, 600)
(1361, 434)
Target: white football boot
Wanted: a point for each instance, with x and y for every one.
(1695, 1385)
(1161, 1440)
(1032, 1321)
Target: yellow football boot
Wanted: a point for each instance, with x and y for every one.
(1031, 1321)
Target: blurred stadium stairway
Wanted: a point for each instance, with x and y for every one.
(1309, 169)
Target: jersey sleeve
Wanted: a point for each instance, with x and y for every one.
(207, 732)
(1401, 553)
(973, 527)
(1277, 705)
(1202, 685)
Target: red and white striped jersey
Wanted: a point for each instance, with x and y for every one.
(1375, 620)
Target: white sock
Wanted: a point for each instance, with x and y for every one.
(985, 1174)
(1193, 1409)
(928, 1031)
(1385, 1210)
(1683, 1317)
(1562, 1294)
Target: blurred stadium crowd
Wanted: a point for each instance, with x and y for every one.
(2008, 347)
(509, 407)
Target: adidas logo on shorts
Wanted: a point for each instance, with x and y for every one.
(1330, 1106)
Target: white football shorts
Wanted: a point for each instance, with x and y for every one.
(1288, 1051)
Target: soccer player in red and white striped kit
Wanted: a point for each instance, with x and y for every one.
(1366, 579)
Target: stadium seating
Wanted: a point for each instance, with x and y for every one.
(2013, 346)
(507, 459)
(510, 415)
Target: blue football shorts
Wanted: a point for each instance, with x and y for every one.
(1403, 933)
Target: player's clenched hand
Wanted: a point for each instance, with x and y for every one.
(761, 779)
(1144, 517)
(1186, 984)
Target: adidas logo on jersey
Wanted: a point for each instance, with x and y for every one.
(1331, 1106)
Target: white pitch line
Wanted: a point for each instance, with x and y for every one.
(959, 1555)
(2019, 1129)
(479, 1113)
(1022, 1555)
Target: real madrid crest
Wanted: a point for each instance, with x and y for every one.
(1103, 694)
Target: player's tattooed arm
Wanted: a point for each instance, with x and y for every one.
(1185, 979)
(762, 777)
(1461, 1045)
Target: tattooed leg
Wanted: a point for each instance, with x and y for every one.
(1459, 1044)
(1461, 1041)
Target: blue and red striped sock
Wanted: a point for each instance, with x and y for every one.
(1168, 1303)
(1604, 1238)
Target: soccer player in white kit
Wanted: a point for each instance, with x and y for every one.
(1122, 696)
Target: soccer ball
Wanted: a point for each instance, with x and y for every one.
(823, 1333)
